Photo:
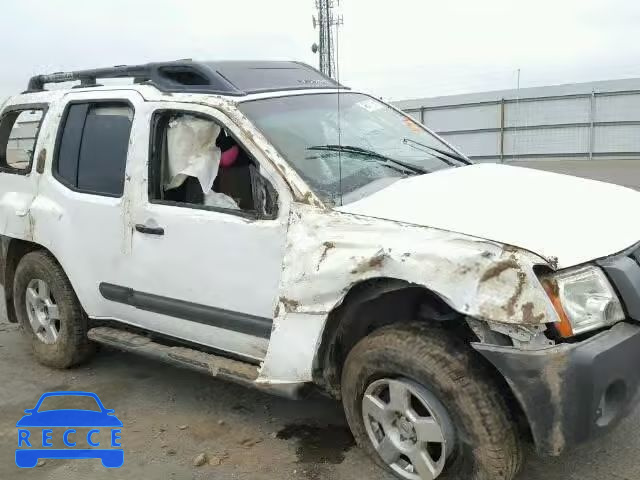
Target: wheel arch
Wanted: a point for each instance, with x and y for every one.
(408, 302)
(367, 306)
(11, 252)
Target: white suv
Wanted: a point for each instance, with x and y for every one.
(261, 223)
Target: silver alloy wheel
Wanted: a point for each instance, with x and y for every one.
(42, 311)
(409, 428)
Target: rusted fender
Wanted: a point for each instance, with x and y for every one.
(330, 252)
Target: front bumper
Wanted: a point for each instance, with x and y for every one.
(571, 393)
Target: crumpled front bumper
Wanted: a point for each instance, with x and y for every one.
(573, 392)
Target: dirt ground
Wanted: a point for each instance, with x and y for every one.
(171, 416)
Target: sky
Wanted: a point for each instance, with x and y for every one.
(395, 50)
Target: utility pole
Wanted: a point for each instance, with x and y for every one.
(325, 21)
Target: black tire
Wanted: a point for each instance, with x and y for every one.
(72, 346)
(487, 445)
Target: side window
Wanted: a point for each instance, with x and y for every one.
(18, 135)
(196, 163)
(92, 150)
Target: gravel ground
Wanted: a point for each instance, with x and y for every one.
(171, 416)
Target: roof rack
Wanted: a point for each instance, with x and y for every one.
(235, 78)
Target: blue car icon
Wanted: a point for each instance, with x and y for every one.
(35, 447)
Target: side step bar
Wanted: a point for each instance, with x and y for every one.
(213, 365)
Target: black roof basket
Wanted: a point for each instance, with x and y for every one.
(226, 78)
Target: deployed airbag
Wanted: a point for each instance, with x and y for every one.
(192, 152)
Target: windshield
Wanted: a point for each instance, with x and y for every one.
(343, 159)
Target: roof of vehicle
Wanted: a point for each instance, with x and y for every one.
(152, 94)
(228, 78)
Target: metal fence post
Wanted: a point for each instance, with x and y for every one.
(502, 130)
(592, 114)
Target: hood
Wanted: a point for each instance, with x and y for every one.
(567, 220)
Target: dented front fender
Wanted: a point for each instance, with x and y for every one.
(329, 252)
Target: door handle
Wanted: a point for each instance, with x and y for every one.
(149, 230)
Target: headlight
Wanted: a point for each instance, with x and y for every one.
(584, 300)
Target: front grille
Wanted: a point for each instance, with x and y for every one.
(635, 255)
(624, 273)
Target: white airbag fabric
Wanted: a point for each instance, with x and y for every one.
(220, 200)
(192, 152)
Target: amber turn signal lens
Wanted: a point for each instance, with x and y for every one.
(563, 327)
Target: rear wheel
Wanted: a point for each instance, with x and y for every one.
(424, 407)
(49, 312)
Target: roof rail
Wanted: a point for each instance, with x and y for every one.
(227, 78)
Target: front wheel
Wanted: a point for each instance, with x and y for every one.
(424, 407)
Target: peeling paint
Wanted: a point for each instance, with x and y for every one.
(329, 252)
(327, 246)
(31, 225)
(370, 264)
(290, 305)
(553, 376)
(498, 268)
(511, 304)
(527, 314)
(475, 277)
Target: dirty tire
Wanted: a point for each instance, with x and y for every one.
(487, 445)
(72, 346)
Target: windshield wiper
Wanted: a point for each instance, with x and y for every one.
(369, 153)
(454, 156)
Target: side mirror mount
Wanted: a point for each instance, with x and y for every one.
(265, 197)
(271, 201)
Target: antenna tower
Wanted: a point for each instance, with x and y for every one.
(326, 22)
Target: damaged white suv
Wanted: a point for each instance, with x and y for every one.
(261, 223)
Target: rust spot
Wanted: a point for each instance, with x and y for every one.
(289, 304)
(327, 246)
(374, 262)
(528, 316)
(308, 198)
(42, 156)
(464, 269)
(553, 376)
(510, 307)
(553, 262)
(31, 226)
(498, 268)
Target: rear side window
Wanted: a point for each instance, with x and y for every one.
(92, 148)
(18, 135)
